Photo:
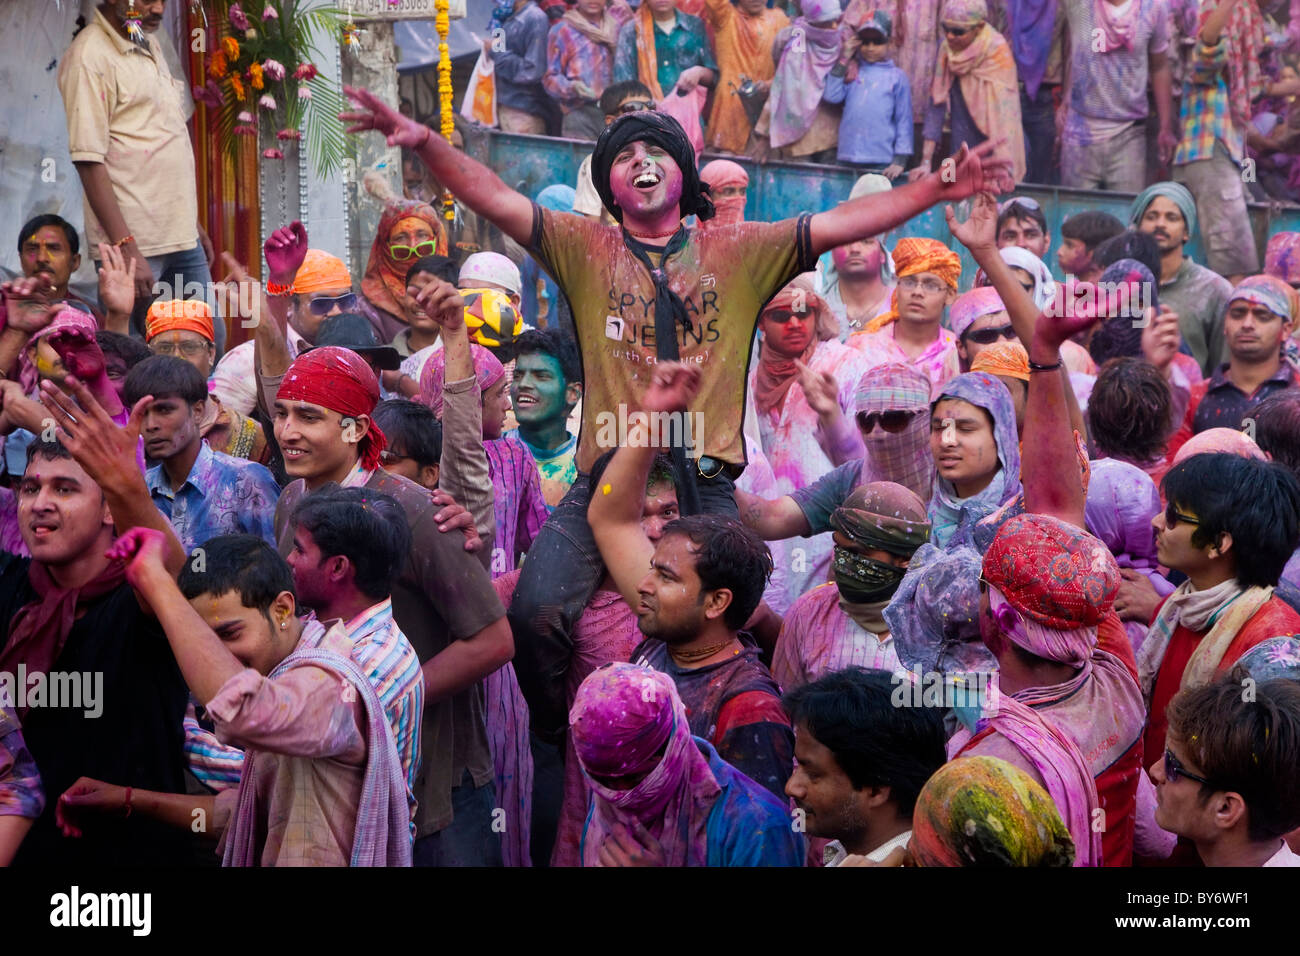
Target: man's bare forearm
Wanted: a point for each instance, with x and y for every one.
(463, 664)
(103, 201)
(772, 520)
(479, 188)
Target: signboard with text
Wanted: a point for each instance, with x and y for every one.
(401, 9)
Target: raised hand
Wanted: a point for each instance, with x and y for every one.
(27, 303)
(441, 301)
(79, 352)
(974, 170)
(820, 390)
(980, 230)
(672, 388)
(285, 250)
(372, 113)
(244, 293)
(1161, 338)
(143, 550)
(1065, 318)
(116, 279)
(106, 451)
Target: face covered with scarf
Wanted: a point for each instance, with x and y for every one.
(890, 407)
(982, 811)
(727, 182)
(634, 744)
(643, 167)
(876, 531)
(322, 416)
(407, 231)
(976, 453)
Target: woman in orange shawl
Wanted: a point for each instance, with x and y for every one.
(743, 36)
(408, 231)
(975, 80)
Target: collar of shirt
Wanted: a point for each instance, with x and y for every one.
(371, 619)
(157, 480)
(125, 46)
(1220, 378)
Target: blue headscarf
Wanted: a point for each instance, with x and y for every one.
(952, 518)
(1176, 193)
(1120, 334)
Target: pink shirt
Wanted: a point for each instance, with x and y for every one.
(939, 362)
(818, 638)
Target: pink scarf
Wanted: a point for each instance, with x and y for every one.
(1117, 30)
(622, 715)
(987, 73)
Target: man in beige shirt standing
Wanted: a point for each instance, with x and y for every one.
(128, 139)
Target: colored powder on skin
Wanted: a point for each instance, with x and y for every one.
(950, 431)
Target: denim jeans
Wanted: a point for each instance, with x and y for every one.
(180, 273)
(468, 840)
(561, 574)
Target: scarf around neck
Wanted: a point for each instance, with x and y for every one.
(603, 34)
(776, 373)
(1117, 30)
(40, 629)
(1223, 609)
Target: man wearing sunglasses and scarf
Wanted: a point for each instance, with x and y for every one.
(1230, 526)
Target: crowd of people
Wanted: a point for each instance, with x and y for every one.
(621, 531)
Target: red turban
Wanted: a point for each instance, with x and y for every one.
(340, 380)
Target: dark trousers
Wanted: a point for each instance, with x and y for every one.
(561, 574)
(1039, 122)
(469, 839)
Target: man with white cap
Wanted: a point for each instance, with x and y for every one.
(491, 270)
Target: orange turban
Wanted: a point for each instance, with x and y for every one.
(321, 272)
(179, 315)
(1003, 358)
(913, 256)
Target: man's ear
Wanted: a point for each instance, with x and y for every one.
(950, 298)
(76, 261)
(1222, 545)
(572, 393)
(961, 350)
(717, 602)
(429, 475)
(283, 608)
(1229, 810)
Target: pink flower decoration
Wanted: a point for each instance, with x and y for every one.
(245, 130)
(209, 94)
(274, 69)
(267, 102)
(272, 154)
(238, 19)
(304, 93)
(245, 117)
(307, 71)
(288, 134)
(269, 13)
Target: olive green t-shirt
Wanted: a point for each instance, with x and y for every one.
(723, 277)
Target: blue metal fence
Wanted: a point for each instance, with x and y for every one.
(780, 189)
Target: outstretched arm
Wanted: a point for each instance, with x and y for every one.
(476, 185)
(969, 172)
(616, 506)
(772, 519)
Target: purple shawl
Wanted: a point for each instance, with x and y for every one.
(800, 80)
(1031, 39)
(383, 832)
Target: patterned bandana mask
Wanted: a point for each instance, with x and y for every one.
(863, 580)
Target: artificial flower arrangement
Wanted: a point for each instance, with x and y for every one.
(261, 78)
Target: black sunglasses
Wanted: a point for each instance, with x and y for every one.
(322, 306)
(1174, 770)
(635, 106)
(991, 335)
(1173, 516)
(893, 421)
(956, 31)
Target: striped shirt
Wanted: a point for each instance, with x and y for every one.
(573, 58)
(1205, 115)
(381, 650)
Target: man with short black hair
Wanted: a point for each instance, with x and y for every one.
(1229, 778)
(860, 761)
(203, 492)
(1081, 234)
(707, 575)
(1021, 223)
(414, 440)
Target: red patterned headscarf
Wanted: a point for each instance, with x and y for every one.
(340, 380)
(1052, 573)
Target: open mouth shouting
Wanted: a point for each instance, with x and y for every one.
(647, 180)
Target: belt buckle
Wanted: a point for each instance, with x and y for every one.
(707, 461)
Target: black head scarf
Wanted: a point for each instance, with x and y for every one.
(659, 129)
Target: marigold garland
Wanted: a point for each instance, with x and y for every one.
(442, 23)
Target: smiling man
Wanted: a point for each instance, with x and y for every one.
(202, 492)
(546, 385)
(650, 290)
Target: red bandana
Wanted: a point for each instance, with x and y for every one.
(340, 380)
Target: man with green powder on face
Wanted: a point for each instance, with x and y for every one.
(547, 384)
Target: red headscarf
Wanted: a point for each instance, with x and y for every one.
(384, 284)
(340, 380)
